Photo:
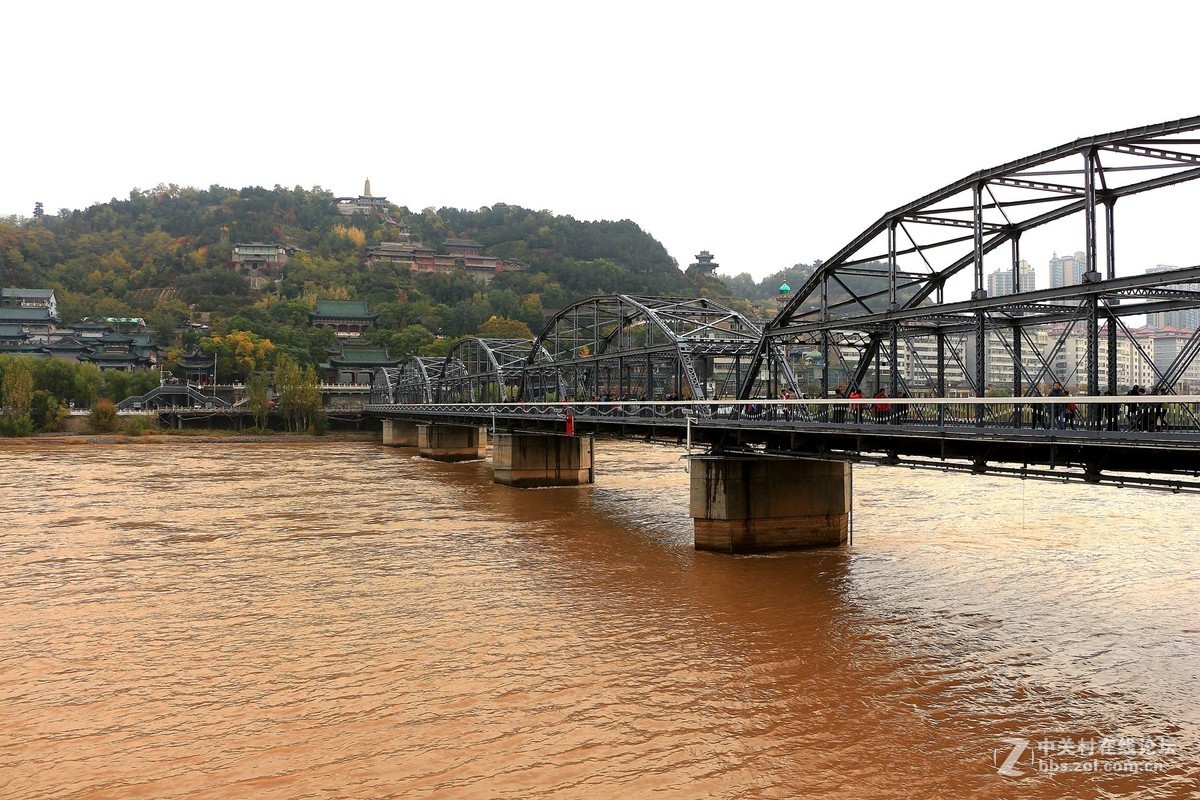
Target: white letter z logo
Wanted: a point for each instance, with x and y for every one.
(1006, 768)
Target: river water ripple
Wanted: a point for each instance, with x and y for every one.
(346, 620)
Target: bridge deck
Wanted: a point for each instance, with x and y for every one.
(958, 436)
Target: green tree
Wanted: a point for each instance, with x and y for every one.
(47, 412)
(16, 396)
(55, 376)
(438, 348)
(309, 397)
(287, 388)
(166, 318)
(258, 396)
(89, 384)
(409, 340)
(119, 385)
(239, 353)
(498, 328)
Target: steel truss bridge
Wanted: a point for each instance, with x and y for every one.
(902, 311)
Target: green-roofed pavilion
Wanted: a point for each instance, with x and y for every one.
(357, 365)
(347, 318)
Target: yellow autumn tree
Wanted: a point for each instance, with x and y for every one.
(239, 353)
(356, 236)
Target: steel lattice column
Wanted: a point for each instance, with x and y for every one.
(941, 374)
(1091, 274)
(1110, 246)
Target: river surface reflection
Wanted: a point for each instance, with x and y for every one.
(346, 620)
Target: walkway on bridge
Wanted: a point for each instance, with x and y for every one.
(955, 373)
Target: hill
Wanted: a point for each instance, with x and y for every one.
(166, 254)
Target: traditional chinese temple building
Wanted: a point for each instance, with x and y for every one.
(357, 365)
(461, 254)
(349, 319)
(30, 298)
(198, 369)
(35, 322)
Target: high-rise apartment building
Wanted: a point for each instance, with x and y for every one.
(1067, 270)
(1186, 319)
(1000, 282)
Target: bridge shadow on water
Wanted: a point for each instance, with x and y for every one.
(811, 663)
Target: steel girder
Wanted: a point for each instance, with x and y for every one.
(383, 387)
(480, 370)
(415, 379)
(902, 274)
(635, 347)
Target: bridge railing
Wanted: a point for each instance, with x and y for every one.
(1178, 414)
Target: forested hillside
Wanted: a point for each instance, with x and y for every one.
(164, 254)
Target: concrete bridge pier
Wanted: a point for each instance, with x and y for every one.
(530, 460)
(399, 433)
(452, 442)
(748, 504)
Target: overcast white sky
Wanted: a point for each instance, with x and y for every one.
(767, 133)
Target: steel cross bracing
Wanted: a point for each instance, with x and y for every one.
(919, 269)
(383, 387)
(633, 347)
(485, 370)
(415, 379)
(902, 310)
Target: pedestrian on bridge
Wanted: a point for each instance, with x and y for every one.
(1111, 413)
(883, 411)
(839, 410)
(1133, 411)
(857, 408)
(1057, 411)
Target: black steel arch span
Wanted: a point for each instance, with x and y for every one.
(890, 284)
(482, 370)
(631, 347)
(412, 381)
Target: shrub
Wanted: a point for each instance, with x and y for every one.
(133, 426)
(16, 426)
(103, 418)
(47, 412)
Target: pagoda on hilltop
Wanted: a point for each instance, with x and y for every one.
(704, 263)
(365, 203)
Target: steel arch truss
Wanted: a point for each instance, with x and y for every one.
(623, 347)
(485, 370)
(383, 387)
(915, 279)
(415, 379)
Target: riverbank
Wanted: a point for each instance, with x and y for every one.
(186, 436)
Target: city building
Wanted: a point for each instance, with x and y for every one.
(11, 334)
(261, 262)
(1067, 270)
(1000, 282)
(198, 368)
(1166, 346)
(36, 322)
(1184, 319)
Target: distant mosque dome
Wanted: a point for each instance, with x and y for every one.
(784, 288)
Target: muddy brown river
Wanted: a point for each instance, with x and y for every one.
(343, 620)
